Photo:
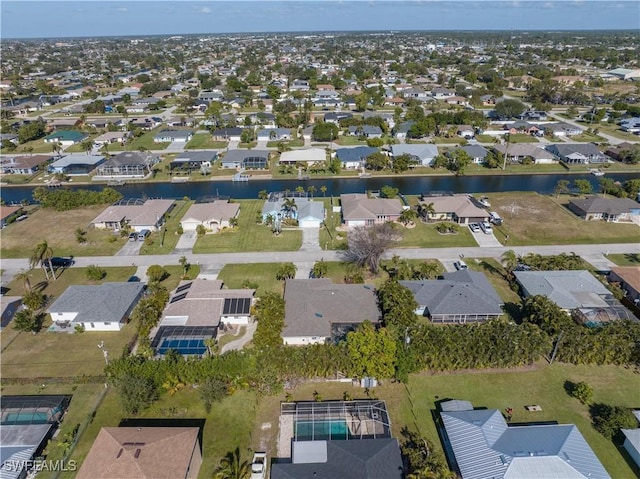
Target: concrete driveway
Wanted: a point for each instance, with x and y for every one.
(186, 242)
(130, 248)
(485, 240)
(175, 147)
(310, 239)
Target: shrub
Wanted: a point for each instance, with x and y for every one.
(582, 392)
(608, 420)
(180, 230)
(95, 273)
(200, 230)
(156, 273)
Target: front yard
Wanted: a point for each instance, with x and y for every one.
(58, 229)
(249, 235)
(534, 219)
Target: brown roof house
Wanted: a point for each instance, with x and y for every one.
(6, 212)
(457, 208)
(25, 165)
(318, 311)
(143, 453)
(360, 210)
(629, 279)
(138, 214)
(213, 216)
(607, 209)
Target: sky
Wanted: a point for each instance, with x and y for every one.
(44, 19)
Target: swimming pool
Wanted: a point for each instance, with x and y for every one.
(184, 347)
(31, 417)
(321, 430)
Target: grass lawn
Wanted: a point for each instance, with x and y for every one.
(175, 274)
(291, 143)
(587, 138)
(426, 236)
(337, 270)
(522, 138)
(39, 146)
(234, 415)
(329, 237)
(456, 140)
(349, 141)
(84, 399)
(262, 274)
(530, 219)
(143, 141)
(628, 259)
(248, 235)
(485, 138)
(496, 275)
(204, 141)
(58, 229)
(47, 354)
(165, 240)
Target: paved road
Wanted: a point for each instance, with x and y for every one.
(215, 262)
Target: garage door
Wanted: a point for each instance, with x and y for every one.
(189, 225)
(309, 223)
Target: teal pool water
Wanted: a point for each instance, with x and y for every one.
(321, 430)
(26, 418)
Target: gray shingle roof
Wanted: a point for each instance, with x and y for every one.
(419, 150)
(353, 459)
(462, 292)
(358, 153)
(611, 206)
(313, 305)
(107, 302)
(568, 289)
(484, 446)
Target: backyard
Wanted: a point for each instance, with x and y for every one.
(533, 219)
(248, 235)
(58, 228)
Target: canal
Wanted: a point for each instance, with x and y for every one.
(408, 185)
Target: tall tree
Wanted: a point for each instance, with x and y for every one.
(41, 256)
(372, 353)
(233, 467)
(367, 244)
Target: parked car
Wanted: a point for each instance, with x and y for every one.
(486, 227)
(495, 218)
(460, 265)
(474, 227)
(133, 236)
(58, 262)
(142, 235)
(259, 465)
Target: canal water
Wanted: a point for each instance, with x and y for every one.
(408, 185)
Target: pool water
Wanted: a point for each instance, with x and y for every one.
(183, 346)
(321, 430)
(26, 418)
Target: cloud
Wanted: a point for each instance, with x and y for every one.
(206, 10)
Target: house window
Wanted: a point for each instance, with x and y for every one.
(107, 323)
(93, 325)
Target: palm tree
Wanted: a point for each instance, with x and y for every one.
(311, 190)
(24, 276)
(289, 206)
(184, 262)
(232, 467)
(41, 255)
(509, 261)
(407, 217)
(56, 148)
(87, 146)
(323, 189)
(425, 211)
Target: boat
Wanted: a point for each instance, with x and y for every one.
(115, 183)
(240, 177)
(259, 465)
(596, 172)
(179, 179)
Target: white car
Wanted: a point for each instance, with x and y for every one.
(484, 201)
(486, 227)
(259, 465)
(474, 227)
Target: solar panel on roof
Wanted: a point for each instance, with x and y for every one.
(235, 306)
(178, 298)
(183, 287)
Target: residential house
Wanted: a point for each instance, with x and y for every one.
(477, 153)
(561, 129)
(401, 130)
(63, 124)
(136, 214)
(366, 131)
(308, 213)
(522, 152)
(459, 208)
(179, 136)
(576, 291)
(466, 131)
(488, 100)
(482, 445)
(128, 164)
(24, 165)
(617, 151)
(274, 134)
(10, 137)
(9, 306)
(607, 209)
(628, 277)
(415, 93)
(66, 137)
(76, 164)
(197, 309)
(246, 159)
(147, 101)
(631, 125)
(214, 216)
(143, 452)
(457, 100)
(193, 160)
(231, 134)
(308, 156)
(335, 117)
(351, 158)
(360, 210)
(625, 73)
(299, 85)
(440, 93)
(112, 137)
(534, 115)
(521, 126)
(318, 311)
(6, 212)
(460, 297)
(362, 449)
(101, 307)
(421, 154)
(582, 153)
